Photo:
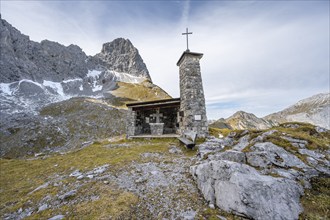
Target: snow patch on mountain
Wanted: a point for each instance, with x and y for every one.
(94, 73)
(10, 89)
(29, 81)
(5, 88)
(28, 96)
(95, 76)
(56, 86)
(97, 87)
(115, 76)
(98, 78)
(125, 77)
(72, 80)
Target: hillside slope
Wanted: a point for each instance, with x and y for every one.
(314, 110)
(60, 127)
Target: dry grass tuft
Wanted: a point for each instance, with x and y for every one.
(316, 201)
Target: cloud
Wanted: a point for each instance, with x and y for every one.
(259, 56)
(274, 61)
(185, 13)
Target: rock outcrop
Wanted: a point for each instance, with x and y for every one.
(239, 188)
(261, 175)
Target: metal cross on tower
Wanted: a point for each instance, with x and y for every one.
(187, 37)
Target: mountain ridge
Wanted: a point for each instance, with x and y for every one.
(242, 120)
(314, 110)
(36, 74)
(23, 58)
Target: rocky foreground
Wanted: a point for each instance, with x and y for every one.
(262, 175)
(140, 179)
(246, 174)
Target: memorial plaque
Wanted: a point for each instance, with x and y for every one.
(198, 117)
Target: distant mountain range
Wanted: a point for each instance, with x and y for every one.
(314, 110)
(36, 74)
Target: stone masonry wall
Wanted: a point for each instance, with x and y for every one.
(130, 126)
(192, 95)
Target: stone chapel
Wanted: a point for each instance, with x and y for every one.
(173, 117)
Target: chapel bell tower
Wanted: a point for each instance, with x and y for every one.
(192, 106)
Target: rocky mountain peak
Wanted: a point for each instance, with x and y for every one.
(119, 46)
(242, 114)
(316, 100)
(242, 120)
(121, 56)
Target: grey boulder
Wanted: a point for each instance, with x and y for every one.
(230, 155)
(267, 153)
(239, 188)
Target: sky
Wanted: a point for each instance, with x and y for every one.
(259, 56)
